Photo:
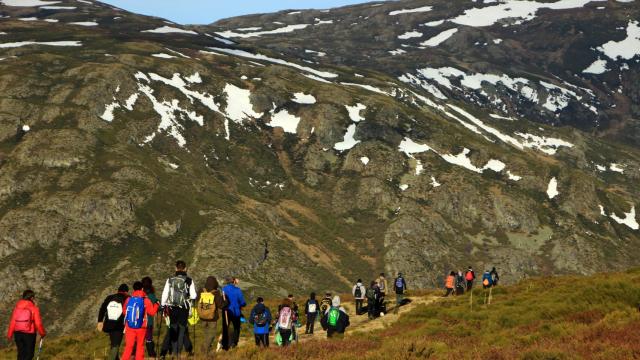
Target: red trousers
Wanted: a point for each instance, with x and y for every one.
(134, 337)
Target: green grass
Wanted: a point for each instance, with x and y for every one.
(568, 317)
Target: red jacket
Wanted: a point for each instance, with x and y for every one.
(22, 321)
(149, 308)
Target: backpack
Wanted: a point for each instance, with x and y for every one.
(313, 307)
(135, 312)
(325, 305)
(486, 282)
(285, 318)
(358, 292)
(260, 320)
(399, 283)
(179, 291)
(371, 294)
(23, 320)
(207, 306)
(469, 276)
(114, 310)
(334, 315)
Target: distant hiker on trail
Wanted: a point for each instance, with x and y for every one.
(399, 286)
(325, 304)
(487, 281)
(260, 318)
(209, 301)
(460, 283)
(137, 309)
(111, 319)
(147, 287)
(494, 276)
(234, 299)
(450, 283)
(470, 277)
(373, 294)
(359, 292)
(336, 319)
(25, 322)
(383, 286)
(286, 321)
(177, 296)
(311, 309)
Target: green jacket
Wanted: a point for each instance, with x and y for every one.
(154, 300)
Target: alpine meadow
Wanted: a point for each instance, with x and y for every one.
(411, 179)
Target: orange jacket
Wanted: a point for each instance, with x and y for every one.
(33, 321)
(450, 281)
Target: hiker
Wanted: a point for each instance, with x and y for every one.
(147, 287)
(177, 296)
(295, 308)
(399, 286)
(358, 293)
(311, 311)
(111, 319)
(336, 319)
(208, 302)
(487, 282)
(286, 321)
(383, 286)
(460, 284)
(260, 318)
(137, 310)
(449, 283)
(25, 322)
(232, 314)
(373, 294)
(470, 277)
(494, 276)
(325, 304)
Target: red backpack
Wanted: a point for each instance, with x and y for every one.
(23, 320)
(469, 276)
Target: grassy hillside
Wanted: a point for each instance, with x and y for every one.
(546, 318)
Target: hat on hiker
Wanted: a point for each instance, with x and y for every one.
(336, 301)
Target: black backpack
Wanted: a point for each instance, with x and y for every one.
(358, 292)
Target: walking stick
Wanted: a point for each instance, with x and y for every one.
(159, 324)
(471, 300)
(490, 289)
(39, 349)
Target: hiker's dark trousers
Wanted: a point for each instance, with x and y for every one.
(178, 318)
(311, 323)
(230, 338)
(359, 306)
(449, 291)
(115, 338)
(26, 345)
(469, 284)
(262, 340)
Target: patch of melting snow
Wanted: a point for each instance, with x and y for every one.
(194, 79)
(419, 167)
(249, 55)
(598, 67)
(626, 49)
(409, 147)
(547, 145)
(411, 11)
(435, 183)
(28, 3)
(239, 106)
(364, 160)
(131, 101)
(434, 23)
(244, 35)
(513, 176)
(410, 34)
(628, 220)
(84, 23)
(397, 52)
(285, 120)
(552, 188)
(174, 166)
(58, 7)
(107, 115)
(302, 98)
(354, 112)
(349, 141)
(367, 87)
(316, 53)
(440, 38)
(45, 43)
(36, 19)
(500, 117)
(403, 187)
(616, 168)
(163, 56)
(170, 30)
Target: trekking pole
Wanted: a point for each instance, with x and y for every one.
(490, 289)
(39, 349)
(159, 324)
(471, 300)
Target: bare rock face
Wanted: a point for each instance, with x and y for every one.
(302, 171)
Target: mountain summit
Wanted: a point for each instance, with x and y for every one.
(305, 149)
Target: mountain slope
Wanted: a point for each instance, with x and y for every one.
(127, 142)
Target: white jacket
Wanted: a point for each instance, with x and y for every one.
(363, 291)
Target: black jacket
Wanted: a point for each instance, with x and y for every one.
(341, 326)
(111, 325)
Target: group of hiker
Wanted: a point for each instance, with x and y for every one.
(456, 283)
(131, 315)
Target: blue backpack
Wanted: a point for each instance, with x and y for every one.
(135, 312)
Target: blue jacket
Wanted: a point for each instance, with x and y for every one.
(260, 330)
(234, 298)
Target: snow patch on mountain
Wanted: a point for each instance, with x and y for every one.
(27, 3)
(170, 30)
(411, 11)
(45, 43)
(285, 120)
(598, 67)
(410, 35)
(349, 141)
(354, 112)
(552, 188)
(302, 98)
(625, 49)
(628, 220)
(440, 38)
(244, 35)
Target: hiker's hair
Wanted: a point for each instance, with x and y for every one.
(290, 296)
(137, 285)
(453, 273)
(181, 265)
(382, 274)
(147, 285)
(28, 295)
(259, 300)
(286, 302)
(312, 295)
(373, 283)
(359, 280)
